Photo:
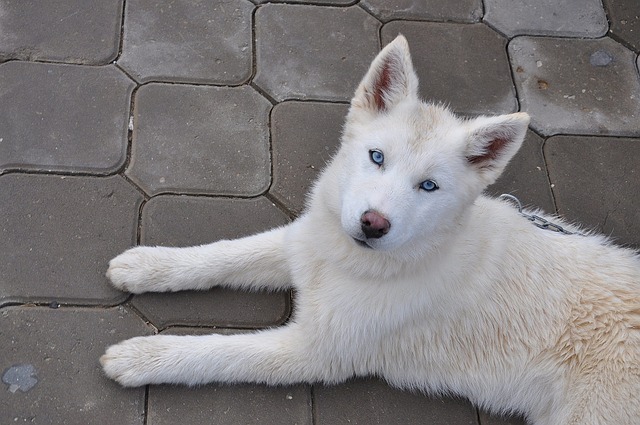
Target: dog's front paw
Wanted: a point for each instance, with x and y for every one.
(140, 269)
(132, 363)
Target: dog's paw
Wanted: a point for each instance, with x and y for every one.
(140, 269)
(132, 363)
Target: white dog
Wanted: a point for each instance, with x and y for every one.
(404, 270)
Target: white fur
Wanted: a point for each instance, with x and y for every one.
(462, 296)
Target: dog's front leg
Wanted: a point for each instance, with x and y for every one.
(275, 356)
(253, 262)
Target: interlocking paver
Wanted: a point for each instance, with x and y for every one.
(186, 221)
(193, 42)
(585, 18)
(199, 139)
(462, 65)
(486, 419)
(296, 60)
(58, 233)
(228, 404)
(595, 182)
(57, 350)
(625, 20)
(321, 2)
(71, 31)
(63, 117)
(371, 401)
(429, 10)
(305, 136)
(577, 86)
(526, 176)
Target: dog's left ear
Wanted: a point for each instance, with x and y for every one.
(493, 141)
(390, 79)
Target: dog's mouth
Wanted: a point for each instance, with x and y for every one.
(363, 244)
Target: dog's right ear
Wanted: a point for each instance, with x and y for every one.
(390, 79)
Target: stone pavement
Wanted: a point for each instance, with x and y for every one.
(181, 122)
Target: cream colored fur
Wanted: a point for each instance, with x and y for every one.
(462, 295)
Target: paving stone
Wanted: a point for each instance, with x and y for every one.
(236, 404)
(625, 20)
(585, 18)
(429, 10)
(187, 41)
(198, 139)
(305, 136)
(58, 350)
(72, 31)
(526, 176)
(187, 221)
(63, 117)
(596, 183)
(577, 86)
(462, 65)
(228, 404)
(58, 234)
(371, 401)
(296, 60)
(320, 2)
(486, 419)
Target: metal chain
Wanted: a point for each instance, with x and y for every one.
(536, 220)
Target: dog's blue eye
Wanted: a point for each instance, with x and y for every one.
(429, 185)
(376, 156)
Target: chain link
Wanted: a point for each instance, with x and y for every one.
(536, 220)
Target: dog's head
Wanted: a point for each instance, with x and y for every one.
(408, 169)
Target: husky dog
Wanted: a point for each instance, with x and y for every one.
(404, 270)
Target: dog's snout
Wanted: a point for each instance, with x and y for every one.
(374, 225)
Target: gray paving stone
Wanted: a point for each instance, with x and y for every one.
(72, 31)
(186, 41)
(58, 233)
(370, 402)
(187, 221)
(63, 117)
(58, 351)
(625, 20)
(577, 86)
(585, 18)
(526, 176)
(595, 182)
(228, 404)
(486, 419)
(198, 139)
(319, 2)
(462, 65)
(305, 135)
(323, 61)
(429, 10)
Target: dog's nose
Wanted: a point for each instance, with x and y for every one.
(374, 225)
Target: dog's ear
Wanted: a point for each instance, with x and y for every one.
(390, 79)
(493, 141)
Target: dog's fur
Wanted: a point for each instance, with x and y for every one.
(451, 293)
